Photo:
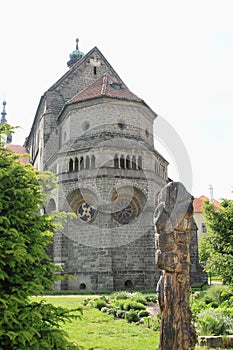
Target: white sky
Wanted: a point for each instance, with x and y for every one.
(177, 55)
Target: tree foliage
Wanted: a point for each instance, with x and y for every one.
(25, 268)
(216, 248)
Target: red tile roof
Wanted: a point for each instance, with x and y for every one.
(19, 150)
(108, 86)
(198, 204)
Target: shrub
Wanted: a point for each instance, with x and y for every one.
(220, 293)
(121, 303)
(112, 311)
(120, 314)
(104, 309)
(211, 322)
(228, 303)
(197, 305)
(99, 303)
(121, 295)
(86, 301)
(138, 297)
(151, 298)
(153, 322)
(143, 313)
(131, 316)
(131, 304)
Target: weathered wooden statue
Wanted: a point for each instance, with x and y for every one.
(173, 220)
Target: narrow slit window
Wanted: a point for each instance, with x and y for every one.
(127, 162)
(76, 164)
(95, 70)
(116, 162)
(81, 163)
(71, 165)
(139, 162)
(122, 162)
(134, 165)
(87, 162)
(92, 162)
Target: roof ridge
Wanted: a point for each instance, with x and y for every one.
(103, 90)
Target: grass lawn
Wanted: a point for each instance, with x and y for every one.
(97, 330)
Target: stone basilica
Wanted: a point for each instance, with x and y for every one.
(96, 136)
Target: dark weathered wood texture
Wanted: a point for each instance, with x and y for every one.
(173, 221)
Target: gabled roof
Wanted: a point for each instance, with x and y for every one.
(105, 86)
(198, 204)
(80, 62)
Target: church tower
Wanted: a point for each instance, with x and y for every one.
(96, 136)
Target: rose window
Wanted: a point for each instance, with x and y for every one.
(86, 212)
(124, 211)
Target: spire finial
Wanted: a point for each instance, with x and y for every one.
(77, 41)
(75, 55)
(3, 119)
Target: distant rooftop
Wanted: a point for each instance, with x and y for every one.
(198, 204)
(19, 150)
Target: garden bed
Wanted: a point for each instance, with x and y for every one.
(216, 342)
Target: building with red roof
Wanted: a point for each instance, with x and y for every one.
(198, 205)
(96, 136)
(22, 151)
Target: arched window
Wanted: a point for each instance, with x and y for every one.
(76, 164)
(51, 206)
(127, 162)
(92, 162)
(71, 164)
(134, 165)
(122, 162)
(139, 162)
(116, 161)
(87, 162)
(128, 284)
(81, 163)
(82, 286)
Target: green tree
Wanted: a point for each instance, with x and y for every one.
(25, 268)
(216, 247)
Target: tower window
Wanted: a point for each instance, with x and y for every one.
(92, 162)
(127, 162)
(87, 162)
(116, 162)
(70, 165)
(122, 162)
(139, 162)
(76, 164)
(134, 165)
(95, 70)
(81, 163)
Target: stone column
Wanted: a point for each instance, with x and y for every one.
(173, 220)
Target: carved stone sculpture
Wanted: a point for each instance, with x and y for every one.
(173, 221)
